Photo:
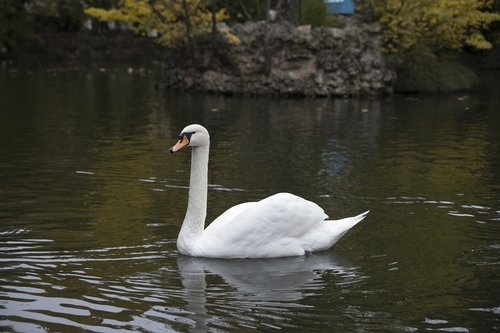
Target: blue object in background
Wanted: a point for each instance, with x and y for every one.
(340, 6)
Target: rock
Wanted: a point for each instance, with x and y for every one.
(280, 32)
(335, 32)
(283, 59)
(303, 33)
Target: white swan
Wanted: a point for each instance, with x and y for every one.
(281, 225)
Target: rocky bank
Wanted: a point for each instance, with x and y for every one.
(281, 59)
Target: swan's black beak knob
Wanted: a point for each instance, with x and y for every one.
(183, 142)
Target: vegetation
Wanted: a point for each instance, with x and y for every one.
(23, 21)
(422, 70)
(422, 37)
(445, 24)
(313, 12)
(15, 24)
(175, 22)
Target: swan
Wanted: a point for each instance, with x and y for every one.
(282, 225)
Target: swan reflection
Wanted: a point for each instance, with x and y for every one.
(250, 284)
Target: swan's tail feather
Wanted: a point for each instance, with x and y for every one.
(329, 232)
(360, 217)
(343, 225)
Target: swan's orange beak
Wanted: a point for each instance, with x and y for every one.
(183, 142)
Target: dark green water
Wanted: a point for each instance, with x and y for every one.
(91, 203)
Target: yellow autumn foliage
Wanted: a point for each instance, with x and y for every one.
(449, 24)
(174, 21)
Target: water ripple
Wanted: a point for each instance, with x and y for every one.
(454, 208)
(209, 293)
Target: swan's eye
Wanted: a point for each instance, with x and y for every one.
(185, 135)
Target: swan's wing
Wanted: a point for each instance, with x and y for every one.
(229, 215)
(272, 225)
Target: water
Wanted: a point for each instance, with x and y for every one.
(91, 203)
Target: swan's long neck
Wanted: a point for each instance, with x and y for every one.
(194, 222)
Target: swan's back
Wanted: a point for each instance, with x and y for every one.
(280, 225)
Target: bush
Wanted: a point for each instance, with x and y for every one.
(421, 70)
(313, 12)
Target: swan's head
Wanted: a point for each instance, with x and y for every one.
(193, 136)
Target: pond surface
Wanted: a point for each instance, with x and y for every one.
(91, 203)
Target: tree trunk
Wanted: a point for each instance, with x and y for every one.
(189, 40)
(289, 10)
(267, 51)
(213, 8)
(187, 19)
(293, 15)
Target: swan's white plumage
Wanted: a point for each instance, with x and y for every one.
(278, 226)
